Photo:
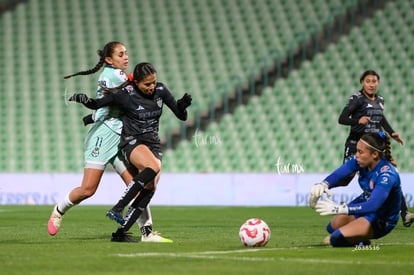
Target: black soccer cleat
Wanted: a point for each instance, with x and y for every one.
(123, 237)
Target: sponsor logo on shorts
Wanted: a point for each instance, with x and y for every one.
(95, 152)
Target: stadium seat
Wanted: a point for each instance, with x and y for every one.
(198, 48)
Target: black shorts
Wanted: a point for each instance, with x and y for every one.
(151, 140)
(350, 149)
(382, 228)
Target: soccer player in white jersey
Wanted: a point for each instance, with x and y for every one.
(101, 143)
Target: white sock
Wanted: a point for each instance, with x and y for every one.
(145, 218)
(65, 204)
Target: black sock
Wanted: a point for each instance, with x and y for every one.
(135, 187)
(136, 208)
(146, 230)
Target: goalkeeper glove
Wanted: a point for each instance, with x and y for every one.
(317, 191)
(328, 207)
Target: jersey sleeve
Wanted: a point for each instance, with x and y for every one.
(170, 101)
(112, 99)
(382, 188)
(351, 106)
(387, 127)
(346, 169)
(110, 79)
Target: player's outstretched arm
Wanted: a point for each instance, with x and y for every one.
(92, 103)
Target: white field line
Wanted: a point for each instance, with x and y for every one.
(218, 255)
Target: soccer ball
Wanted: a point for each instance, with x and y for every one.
(254, 233)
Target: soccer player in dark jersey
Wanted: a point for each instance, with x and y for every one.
(142, 101)
(375, 212)
(364, 112)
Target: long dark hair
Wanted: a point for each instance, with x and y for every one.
(381, 143)
(107, 51)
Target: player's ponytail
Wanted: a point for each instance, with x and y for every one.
(107, 51)
(387, 152)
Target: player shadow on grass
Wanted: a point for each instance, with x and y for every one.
(104, 237)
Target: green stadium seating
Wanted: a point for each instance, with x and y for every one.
(206, 48)
(297, 121)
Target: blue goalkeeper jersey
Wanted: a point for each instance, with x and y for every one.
(110, 116)
(381, 187)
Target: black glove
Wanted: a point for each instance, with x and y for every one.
(88, 120)
(184, 102)
(80, 98)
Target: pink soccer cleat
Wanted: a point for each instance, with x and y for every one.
(54, 222)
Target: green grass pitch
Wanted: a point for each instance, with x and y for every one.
(205, 242)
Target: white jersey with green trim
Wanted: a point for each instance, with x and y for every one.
(110, 116)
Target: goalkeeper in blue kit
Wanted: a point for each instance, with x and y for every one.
(364, 113)
(376, 211)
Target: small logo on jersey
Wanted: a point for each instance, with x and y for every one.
(385, 168)
(130, 89)
(140, 108)
(369, 105)
(132, 142)
(159, 102)
(102, 84)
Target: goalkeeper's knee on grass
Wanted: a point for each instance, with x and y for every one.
(338, 240)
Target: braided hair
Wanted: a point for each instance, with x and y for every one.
(107, 51)
(142, 70)
(381, 143)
